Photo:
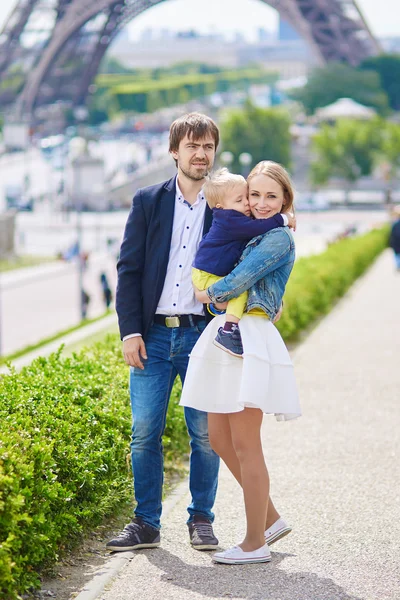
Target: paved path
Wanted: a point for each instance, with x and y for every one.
(335, 476)
(71, 342)
(39, 302)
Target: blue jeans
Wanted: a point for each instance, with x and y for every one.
(168, 355)
(397, 260)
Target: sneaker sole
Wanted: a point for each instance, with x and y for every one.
(241, 561)
(137, 547)
(226, 349)
(278, 535)
(204, 546)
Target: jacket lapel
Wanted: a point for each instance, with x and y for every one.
(166, 214)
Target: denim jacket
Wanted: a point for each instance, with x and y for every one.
(264, 269)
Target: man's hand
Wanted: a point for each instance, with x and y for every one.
(278, 314)
(291, 221)
(134, 350)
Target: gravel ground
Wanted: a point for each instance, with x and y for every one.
(335, 475)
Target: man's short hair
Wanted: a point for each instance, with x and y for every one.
(217, 184)
(196, 126)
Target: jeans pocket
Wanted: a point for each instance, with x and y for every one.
(200, 327)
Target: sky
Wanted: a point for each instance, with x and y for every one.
(227, 16)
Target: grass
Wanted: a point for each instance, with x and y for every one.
(21, 262)
(88, 341)
(57, 336)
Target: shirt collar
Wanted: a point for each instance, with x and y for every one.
(181, 199)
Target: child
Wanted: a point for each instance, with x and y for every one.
(222, 246)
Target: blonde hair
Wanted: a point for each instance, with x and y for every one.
(279, 174)
(217, 184)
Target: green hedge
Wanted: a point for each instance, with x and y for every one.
(318, 281)
(64, 456)
(141, 95)
(65, 426)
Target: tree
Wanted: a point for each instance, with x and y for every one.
(328, 84)
(109, 64)
(346, 150)
(102, 105)
(390, 154)
(388, 68)
(391, 146)
(263, 133)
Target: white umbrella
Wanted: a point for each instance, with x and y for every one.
(344, 108)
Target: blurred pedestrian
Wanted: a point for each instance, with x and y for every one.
(394, 240)
(85, 301)
(113, 247)
(84, 258)
(107, 293)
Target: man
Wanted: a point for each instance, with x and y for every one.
(160, 321)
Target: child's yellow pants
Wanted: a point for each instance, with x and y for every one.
(202, 280)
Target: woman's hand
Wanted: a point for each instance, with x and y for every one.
(202, 297)
(278, 314)
(291, 221)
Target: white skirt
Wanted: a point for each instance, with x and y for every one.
(220, 383)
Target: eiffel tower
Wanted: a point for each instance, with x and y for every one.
(50, 50)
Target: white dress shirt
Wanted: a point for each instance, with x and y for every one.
(177, 296)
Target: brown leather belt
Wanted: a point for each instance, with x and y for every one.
(178, 320)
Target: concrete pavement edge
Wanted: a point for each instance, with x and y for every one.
(105, 574)
(69, 339)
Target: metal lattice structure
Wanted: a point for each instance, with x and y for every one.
(50, 50)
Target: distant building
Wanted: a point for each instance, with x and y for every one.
(286, 33)
(166, 34)
(146, 35)
(239, 37)
(158, 52)
(123, 36)
(289, 59)
(264, 35)
(190, 34)
(391, 44)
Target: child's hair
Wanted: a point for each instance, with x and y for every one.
(281, 176)
(218, 183)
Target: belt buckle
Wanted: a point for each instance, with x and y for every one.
(172, 321)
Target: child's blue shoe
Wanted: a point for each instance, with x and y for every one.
(230, 341)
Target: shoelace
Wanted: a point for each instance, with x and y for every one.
(203, 528)
(133, 527)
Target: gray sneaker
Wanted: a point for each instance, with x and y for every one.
(134, 536)
(229, 341)
(201, 534)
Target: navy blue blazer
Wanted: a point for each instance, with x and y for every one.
(142, 266)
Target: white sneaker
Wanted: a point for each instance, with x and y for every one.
(236, 556)
(277, 531)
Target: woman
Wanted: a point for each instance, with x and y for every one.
(235, 393)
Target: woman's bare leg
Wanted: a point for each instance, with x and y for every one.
(219, 431)
(245, 429)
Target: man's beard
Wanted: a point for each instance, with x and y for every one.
(193, 175)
